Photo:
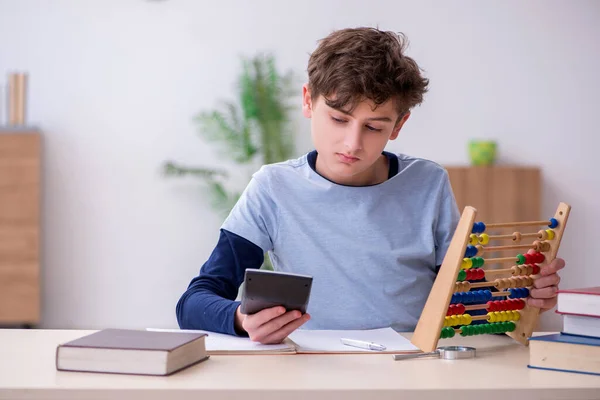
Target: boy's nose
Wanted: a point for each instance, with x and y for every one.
(353, 140)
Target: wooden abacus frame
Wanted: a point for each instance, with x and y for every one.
(431, 321)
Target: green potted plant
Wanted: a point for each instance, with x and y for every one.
(253, 130)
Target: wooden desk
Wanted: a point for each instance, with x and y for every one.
(27, 371)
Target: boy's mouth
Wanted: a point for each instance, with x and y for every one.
(346, 158)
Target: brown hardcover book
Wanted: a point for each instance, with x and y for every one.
(139, 352)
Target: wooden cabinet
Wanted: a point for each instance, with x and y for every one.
(20, 179)
(499, 193)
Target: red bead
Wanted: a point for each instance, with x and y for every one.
(539, 257)
(480, 273)
(469, 275)
(449, 312)
(490, 305)
(536, 269)
(528, 258)
(521, 304)
(460, 308)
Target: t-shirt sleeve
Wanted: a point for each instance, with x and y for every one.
(254, 216)
(447, 221)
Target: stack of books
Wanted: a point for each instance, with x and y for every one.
(577, 347)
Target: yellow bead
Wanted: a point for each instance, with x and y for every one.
(467, 263)
(454, 320)
(516, 315)
(503, 316)
(446, 321)
(473, 239)
(550, 233)
(484, 238)
(491, 317)
(467, 319)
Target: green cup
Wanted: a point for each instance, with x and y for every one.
(482, 152)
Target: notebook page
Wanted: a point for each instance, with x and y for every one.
(329, 341)
(219, 343)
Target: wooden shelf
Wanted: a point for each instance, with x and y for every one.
(20, 182)
(499, 193)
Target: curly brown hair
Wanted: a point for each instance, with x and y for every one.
(354, 64)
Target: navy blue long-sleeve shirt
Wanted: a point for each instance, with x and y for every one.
(209, 302)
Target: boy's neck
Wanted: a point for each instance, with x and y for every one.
(378, 173)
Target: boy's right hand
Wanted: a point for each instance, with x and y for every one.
(271, 325)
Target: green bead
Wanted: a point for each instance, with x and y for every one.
(520, 259)
(479, 330)
(496, 328)
(463, 330)
(479, 262)
(512, 326)
(443, 334)
(462, 275)
(451, 333)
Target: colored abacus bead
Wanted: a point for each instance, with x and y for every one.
(550, 234)
(470, 251)
(473, 239)
(520, 259)
(553, 223)
(477, 262)
(462, 275)
(484, 239)
(466, 263)
(460, 308)
(535, 269)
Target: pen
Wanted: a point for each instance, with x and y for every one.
(362, 344)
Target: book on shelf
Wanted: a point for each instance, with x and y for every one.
(565, 353)
(138, 352)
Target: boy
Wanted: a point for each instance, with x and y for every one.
(371, 227)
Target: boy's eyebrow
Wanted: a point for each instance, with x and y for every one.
(383, 119)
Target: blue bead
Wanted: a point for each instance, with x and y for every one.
(525, 292)
(453, 299)
(481, 227)
(475, 227)
(471, 251)
(553, 223)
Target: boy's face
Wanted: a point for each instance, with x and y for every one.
(350, 145)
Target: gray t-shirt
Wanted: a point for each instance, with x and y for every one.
(373, 250)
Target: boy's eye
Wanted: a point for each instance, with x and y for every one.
(339, 121)
(373, 129)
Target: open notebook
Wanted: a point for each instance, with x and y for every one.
(308, 341)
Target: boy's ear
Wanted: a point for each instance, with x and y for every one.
(399, 125)
(306, 101)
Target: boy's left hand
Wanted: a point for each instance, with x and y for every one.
(543, 293)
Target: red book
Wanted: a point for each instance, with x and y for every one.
(584, 301)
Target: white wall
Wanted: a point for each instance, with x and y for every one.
(114, 85)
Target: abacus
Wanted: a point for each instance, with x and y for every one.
(464, 283)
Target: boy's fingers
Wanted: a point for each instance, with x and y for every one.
(266, 329)
(543, 304)
(544, 293)
(545, 281)
(556, 265)
(285, 331)
(260, 318)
